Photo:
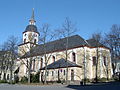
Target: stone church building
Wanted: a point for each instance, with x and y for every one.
(81, 57)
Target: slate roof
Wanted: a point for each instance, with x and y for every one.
(59, 45)
(32, 28)
(61, 63)
(94, 43)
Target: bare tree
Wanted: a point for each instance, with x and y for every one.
(4, 61)
(10, 46)
(112, 40)
(68, 29)
(98, 38)
(46, 36)
(3, 64)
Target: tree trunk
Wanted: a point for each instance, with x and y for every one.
(66, 74)
(29, 75)
(96, 78)
(11, 66)
(107, 71)
(11, 76)
(66, 66)
(84, 62)
(45, 73)
(66, 60)
(29, 71)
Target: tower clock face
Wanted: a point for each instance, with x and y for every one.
(30, 37)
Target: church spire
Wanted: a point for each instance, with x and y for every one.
(32, 20)
(32, 17)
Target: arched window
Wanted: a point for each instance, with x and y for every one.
(94, 60)
(34, 65)
(72, 75)
(64, 72)
(27, 63)
(47, 73)
(41, 63)
(73, 57)
(52, 73)
(0, 76)
(8, 77)
(24, 40)
(58, 75)
(53, 58)
(104, 58)
(34, 41)
(4, 77)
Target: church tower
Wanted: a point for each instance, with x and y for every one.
(31, 34)
(30, 37)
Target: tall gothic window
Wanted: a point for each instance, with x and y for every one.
(58, 75)
(72, 75)
(47, 73)
(0, 75)
(74, 57)
(52, 73)
(104, 59)
(8, 77)
(34, 65)
(64, 72)
(27, 63)
(41, 63)
(94, 60)
(53, 58)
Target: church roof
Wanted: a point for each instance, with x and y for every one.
(31, 28)
(61, 63)
(60, 45)
(94, 43)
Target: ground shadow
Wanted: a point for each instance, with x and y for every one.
(97, 86)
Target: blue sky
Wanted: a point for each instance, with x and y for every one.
(89, 15)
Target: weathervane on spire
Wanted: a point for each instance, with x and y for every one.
(32, 20)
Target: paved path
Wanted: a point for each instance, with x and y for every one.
(102, 86)
(25, 87)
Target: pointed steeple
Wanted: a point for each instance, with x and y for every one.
(32, 20)
(32, 17)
